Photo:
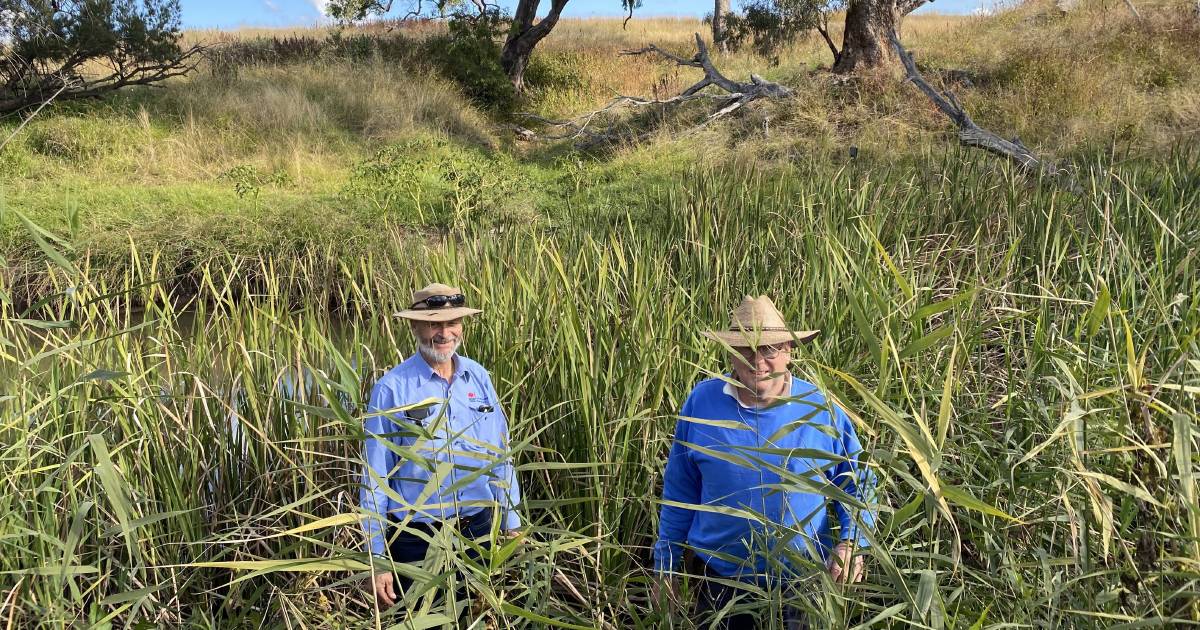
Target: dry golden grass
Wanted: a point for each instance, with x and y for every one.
(1096, 80)
(1092, 78)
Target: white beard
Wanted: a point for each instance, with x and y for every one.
(433, 356)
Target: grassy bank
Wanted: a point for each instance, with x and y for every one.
(266, 150)
(1028, 354)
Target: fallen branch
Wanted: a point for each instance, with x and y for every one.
(736, 95)
(1133, 9)
(756, 88)
(972, 135)
(579, 127)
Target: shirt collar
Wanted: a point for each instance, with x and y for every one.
(730, 391)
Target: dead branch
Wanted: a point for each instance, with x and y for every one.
(735, 95)
(972, 135)
(580, 126)
(756, 88)
(1133, 9)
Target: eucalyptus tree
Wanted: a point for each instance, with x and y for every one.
(524, 30)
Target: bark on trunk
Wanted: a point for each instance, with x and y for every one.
(720, 10)
(866, 42)
(514, 58)
(524, 35)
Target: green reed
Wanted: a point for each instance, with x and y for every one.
(181, 446)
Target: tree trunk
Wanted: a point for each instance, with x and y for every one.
(866, 43)
(720, 10)
(514, 58)
(524, 35)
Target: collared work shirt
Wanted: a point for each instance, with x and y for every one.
(445, 459)
(762, 478)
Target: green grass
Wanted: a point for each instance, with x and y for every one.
(232, 246)
(1032, 350)
(1095, 84)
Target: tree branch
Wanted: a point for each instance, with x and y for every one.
(579, 125)
(712, 76)
(66, 84)
(655, 49)
(972, 135)
(736, 95)
(823, 29)
(904, 7)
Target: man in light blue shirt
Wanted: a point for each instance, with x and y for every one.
(437, 447)
(761, 462)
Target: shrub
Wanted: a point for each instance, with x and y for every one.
(248, 180)
(469, 55)
(443, 184)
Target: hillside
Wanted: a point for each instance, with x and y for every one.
(297, 128)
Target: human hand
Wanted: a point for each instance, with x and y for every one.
(843, 565)
(384, 585)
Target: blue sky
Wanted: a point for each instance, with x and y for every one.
(235, 13)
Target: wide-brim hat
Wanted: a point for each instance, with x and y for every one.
(422, 312)
(756, 322)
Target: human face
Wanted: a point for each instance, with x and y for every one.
(438, 341)
(761, 370)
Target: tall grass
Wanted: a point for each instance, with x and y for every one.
(181, 446)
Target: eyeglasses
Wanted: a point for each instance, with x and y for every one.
(766, 352)
(438, 301)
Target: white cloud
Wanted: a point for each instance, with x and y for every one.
(319, 5)
(271, 6)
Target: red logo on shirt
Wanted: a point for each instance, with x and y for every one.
(470, 394)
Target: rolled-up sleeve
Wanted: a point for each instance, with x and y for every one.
(504, 486)
(854, 477)
(380, 460)
(681, 484)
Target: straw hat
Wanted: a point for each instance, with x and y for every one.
(423, 312)
(756, 322)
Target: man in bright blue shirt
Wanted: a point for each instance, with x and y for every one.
(437, 451)
(771, 453)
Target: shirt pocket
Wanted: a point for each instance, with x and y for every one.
(481, 417)
(479, 447)
(474, 452)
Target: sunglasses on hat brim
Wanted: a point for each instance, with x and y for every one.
(439, 301)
